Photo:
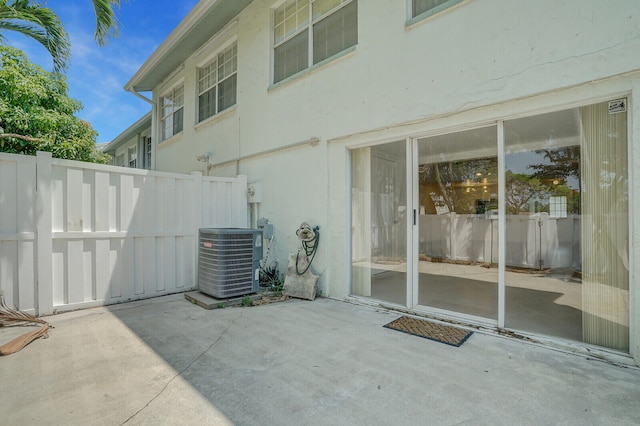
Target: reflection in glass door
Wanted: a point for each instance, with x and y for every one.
(458, 222)
(564, 253)
(379, 222)
(567, 231)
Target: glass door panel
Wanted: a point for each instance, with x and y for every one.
(379, 222)
(566, 214)
(458, 222)
(567, 225)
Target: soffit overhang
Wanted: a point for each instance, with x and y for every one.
(204, 21)
(139, 126)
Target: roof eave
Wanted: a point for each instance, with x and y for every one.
(143, 123)
(205, 20)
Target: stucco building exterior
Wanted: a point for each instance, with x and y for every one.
(471, 160)
(133, 147)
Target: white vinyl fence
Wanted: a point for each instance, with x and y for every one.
(530, 239)
(76, 235)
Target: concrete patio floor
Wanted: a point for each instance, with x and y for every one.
(166, 361)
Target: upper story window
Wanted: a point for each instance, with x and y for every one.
(217, 83)
(430, 7)
(172, 112)
(306, 32)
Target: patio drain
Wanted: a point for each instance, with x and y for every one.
(430, 330)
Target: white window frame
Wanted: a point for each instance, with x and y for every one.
(558, 206)
(413, 18)
(169, 112)
(147, 146)
(307, 27)
(214, 61)
(132, 154)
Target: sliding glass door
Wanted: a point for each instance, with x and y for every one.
(567, 230)
(458, 222)
(379, 222)
(431, 239)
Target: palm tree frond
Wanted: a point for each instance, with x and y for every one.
(14, 317)
(39, 23)
(106, 20)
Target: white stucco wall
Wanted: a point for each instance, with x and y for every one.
(481, 61)
(476, 54)
(124, 150)
(134, 140)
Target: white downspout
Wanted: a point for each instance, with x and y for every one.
(144, 98)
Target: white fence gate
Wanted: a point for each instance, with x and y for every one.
(76, 235)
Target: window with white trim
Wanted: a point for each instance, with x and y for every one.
(430, 7)
(172, 110)
(133, 156)
(217, 83)
(146, 146)
(558, 206)
(306, 32)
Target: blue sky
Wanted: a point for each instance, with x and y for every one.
(96, 75)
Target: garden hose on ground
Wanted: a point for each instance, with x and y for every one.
(309, 237)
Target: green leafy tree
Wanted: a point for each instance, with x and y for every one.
(560, 165)
(460, 183)
(521, 189)
(37, 114)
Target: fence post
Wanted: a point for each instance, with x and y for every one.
(196, 203)
(197, 220)
(239, 203)
(44, 235)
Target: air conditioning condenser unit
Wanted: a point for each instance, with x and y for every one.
(229, 261)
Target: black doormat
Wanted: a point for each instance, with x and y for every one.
(430, 330)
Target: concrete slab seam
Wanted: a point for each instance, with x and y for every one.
(181, 372)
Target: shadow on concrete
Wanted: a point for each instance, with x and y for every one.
(167, 361)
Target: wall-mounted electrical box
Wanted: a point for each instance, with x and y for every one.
(266, 227)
